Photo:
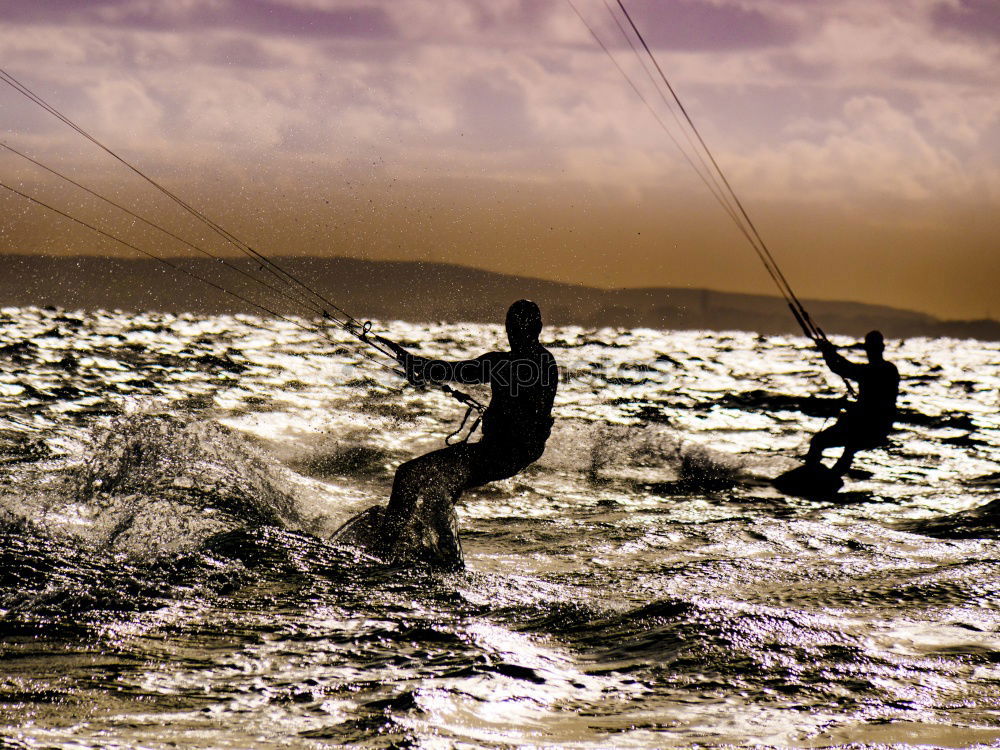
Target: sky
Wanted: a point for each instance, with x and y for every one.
(862, 136)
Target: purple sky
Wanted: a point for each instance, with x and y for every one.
(863, 135)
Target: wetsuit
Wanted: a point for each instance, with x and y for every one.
(867, 422)
(419, 521)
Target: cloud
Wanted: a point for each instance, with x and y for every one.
(516, 90)
(268, 17)
(977, 18)
(708, 25)
(493, 110)
(967, 119)
(872, 152)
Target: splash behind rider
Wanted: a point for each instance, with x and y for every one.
(866, 423)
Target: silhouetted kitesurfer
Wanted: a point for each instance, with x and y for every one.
(866, 423)
(419, 521)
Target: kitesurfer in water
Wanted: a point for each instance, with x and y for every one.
(419, 521)
(866, 423)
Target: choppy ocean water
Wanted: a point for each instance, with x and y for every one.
(169, 484)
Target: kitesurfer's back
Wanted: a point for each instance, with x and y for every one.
(878, 383)
(523, 384)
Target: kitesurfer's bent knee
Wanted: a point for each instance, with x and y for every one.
(494, 460)
(863, 438)
(433, 479)
(426, 489)
(855, 435)
(831, 437)
(843, 463)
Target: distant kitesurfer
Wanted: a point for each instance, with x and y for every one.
(865, 423)
(419, 521)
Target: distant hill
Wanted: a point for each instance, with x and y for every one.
(420, 291)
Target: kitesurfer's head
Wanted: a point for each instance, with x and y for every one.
(524, 323)
(874, 345)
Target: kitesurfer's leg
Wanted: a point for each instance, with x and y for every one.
(491, 465)
(828, 438)
(864, 436)
(419, 520)
(844, 462)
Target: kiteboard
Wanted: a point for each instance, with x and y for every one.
(809, 481)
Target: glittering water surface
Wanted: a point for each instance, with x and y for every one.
(170, 484)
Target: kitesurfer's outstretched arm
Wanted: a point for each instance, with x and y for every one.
(423, 370)
(837, 363)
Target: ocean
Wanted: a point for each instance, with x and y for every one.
(170, 484)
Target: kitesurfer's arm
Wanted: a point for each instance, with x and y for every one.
(467, 371)
(837, 363)
(421, 370)
(412, 364)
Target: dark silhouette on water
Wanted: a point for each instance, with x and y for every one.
(866, 423)
(419, 522)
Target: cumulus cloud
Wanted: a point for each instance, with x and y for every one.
(978, 18)
(822, 102)
(267, 17)
(708, 25)
(873, 151)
